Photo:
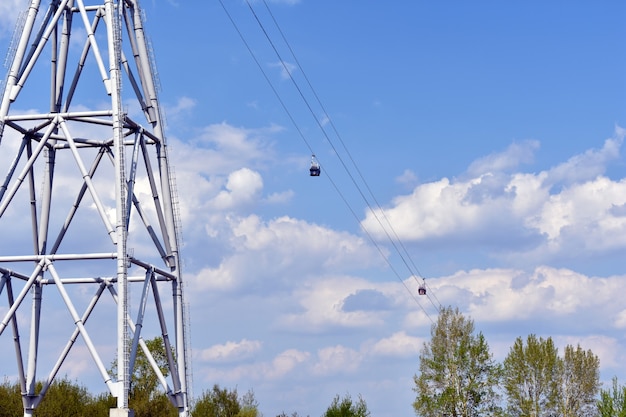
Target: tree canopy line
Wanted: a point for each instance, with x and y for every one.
(457, 377)
(68, 399)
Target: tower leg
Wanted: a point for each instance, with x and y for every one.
(119, 412)
(93, 229)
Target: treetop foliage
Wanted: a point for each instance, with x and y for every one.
(457, 375)
(345, 407)
(612, 402)
(538, 382)
(457, 378)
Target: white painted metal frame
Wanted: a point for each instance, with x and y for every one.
(136, 186)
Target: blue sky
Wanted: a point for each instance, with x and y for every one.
(490, 133)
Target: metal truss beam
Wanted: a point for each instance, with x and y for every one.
(87, 198)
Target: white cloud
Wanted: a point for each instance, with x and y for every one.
(620, 319)
(242, 188)
(215, 174)
(408, 177)
(286, 69)
(286, 362)
(276, 276)
(438, 209)
(280, 366)
(230, 140)
(572, 206)
(606, 348)
(322, 306)
(398, 344)
(590, 164)
(222, 148)
(9, 13)
(337, 359)
(511, 158)
(585, 208)
(280, 198)
(282, 252)
(418, 319)
(183, 105)
(80, 362)
(568, 298)
(231, 351)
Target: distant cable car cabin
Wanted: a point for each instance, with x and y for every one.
(315, 169)
(422, 289)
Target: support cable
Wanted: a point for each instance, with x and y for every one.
(345, 148)
(395, 240)
(335, 186)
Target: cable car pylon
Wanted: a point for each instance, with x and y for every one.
(87, 202)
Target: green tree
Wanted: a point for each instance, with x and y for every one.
(11, 399)
(345, 407)
(458, 376)
(531, 377)
(63, 399)
(249, 406)
(580, 382)
(612, 402)
(222, 402)
(147, 398)
(101, 405)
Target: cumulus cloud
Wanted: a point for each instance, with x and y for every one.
(280, 198)
(620, 319)
(337, 359)
(10, 10)
(231, 351)
(556, 299)
(242, 188)
(398, 344)
(282, 252)
(80, 362)
(329, 287)
(606, 348)
(183, 105)
(280, 366)
(286, 362)
(365, 300)
(408, 177)
(571, 206)
(322, 305)
(216, 174)
(588, 165)
(515, 155)
(222, 148)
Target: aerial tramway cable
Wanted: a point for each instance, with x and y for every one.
(336, 131)
(414, 270)
(395, 241)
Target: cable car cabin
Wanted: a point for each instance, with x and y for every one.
(421, 290)
(315, 169)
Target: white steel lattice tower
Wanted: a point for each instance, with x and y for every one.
(86, 202)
